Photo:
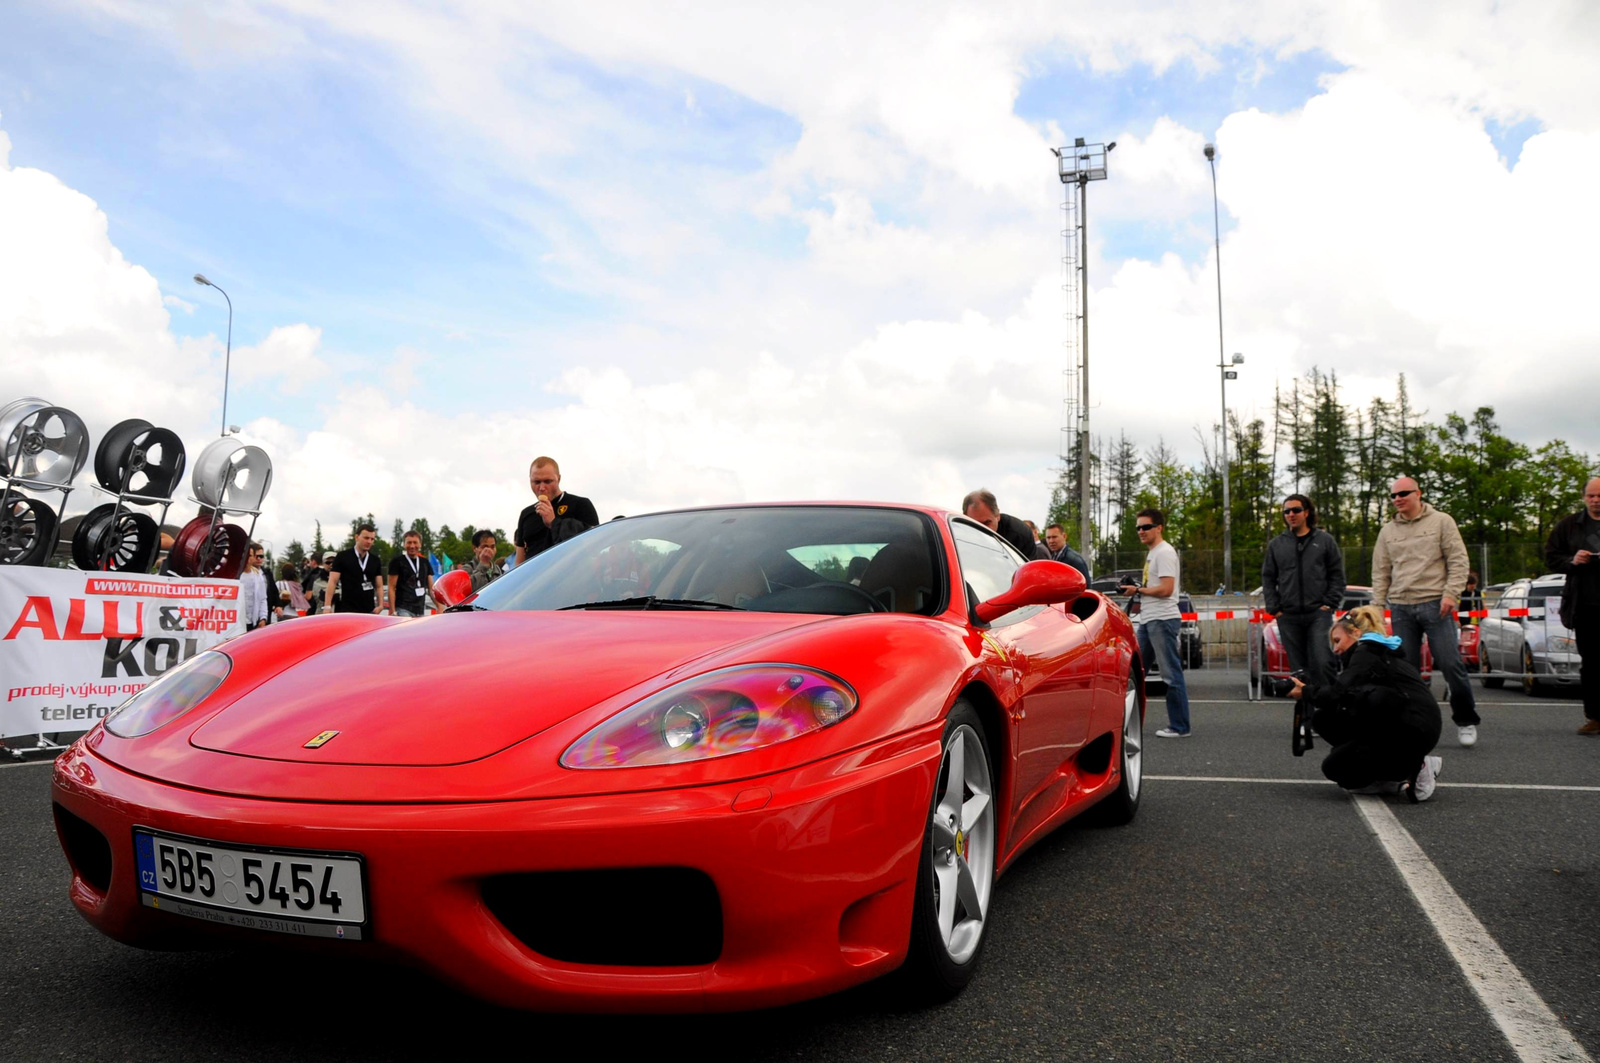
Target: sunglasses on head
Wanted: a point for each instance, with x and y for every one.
(1143, 527)
(1402, 494)
(1293, 509)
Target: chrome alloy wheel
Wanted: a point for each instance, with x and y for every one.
(1132, 740)
(963, 831)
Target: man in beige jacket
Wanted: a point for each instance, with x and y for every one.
(1419, 569)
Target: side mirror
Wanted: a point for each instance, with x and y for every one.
(452, 588)
(1035, 583)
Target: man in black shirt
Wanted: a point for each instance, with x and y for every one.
(557, 515)
(410, 578)
(357, 577)
(981, 506)
(1574, 548)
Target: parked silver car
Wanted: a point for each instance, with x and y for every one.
(1542, 650)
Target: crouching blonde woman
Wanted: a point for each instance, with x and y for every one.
(1378, 714)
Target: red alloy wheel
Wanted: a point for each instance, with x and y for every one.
(203, 550)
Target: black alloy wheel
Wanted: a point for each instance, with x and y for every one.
(128, 543)
(27, 530)
(110, 455)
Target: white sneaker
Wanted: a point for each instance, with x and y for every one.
(1427, 778)
(1468, 735)
(1167, 732)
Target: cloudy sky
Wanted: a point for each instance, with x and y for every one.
(710, 252)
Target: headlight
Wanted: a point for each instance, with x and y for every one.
(1562, 644)
(717, 714)
(169, 697)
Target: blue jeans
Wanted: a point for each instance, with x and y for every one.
(1158, 641)
(1412, 623)
(1305, 641)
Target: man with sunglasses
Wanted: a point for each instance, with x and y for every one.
(1419, 570)
(1302, 579)
(1157, 620)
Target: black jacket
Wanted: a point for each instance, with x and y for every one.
(574, 516)
(1018, 534)
(1302, 579)
(1069, 556)
(1384, 694)
(1571, 534)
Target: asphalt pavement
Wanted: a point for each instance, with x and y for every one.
(1249, 912)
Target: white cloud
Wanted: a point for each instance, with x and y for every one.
(289, 353)
(81, 326)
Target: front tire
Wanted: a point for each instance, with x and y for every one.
(1530, 685)
(955, 877)
(1493, 682)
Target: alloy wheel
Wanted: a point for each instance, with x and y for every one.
(963, 831)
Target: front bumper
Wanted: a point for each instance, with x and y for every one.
(814, 869)
(1561, 668)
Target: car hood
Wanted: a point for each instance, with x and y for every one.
(463, 686)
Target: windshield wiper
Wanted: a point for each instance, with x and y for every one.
(467, 607)
(650, 601)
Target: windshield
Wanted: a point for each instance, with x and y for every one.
(772, 559)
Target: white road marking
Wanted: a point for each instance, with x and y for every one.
(1536, 1035)
(1325, 782)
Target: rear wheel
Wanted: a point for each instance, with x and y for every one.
(955, 877)
(1121, 806)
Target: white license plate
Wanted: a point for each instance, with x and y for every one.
(285, 890)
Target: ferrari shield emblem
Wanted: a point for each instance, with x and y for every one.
(322, 739)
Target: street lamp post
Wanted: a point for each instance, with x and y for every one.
(1078, 165)
(1222, 366)
(227, 362)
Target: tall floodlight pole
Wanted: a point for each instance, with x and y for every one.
(227, 361)
(1080, 164)
(1222, 367)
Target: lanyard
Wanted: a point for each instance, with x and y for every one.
(362, 561)
(416, 568)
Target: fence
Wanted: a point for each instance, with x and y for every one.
(1202, 568)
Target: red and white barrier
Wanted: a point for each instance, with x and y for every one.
(1261, 616)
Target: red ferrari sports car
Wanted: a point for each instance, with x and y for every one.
(704, 759)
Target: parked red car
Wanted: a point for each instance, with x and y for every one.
(775, 774)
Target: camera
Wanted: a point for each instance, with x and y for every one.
(1279, 686)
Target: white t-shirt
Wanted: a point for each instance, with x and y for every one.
(1161, 562)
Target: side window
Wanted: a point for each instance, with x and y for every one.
(987, 564)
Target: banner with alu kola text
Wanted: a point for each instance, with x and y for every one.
(75, 645)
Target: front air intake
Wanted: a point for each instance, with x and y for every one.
(87, 849)
(620, 917)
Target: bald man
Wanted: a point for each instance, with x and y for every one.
(1419, 570)
(1574, 548)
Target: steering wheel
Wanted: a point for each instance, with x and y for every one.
(877, 605)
